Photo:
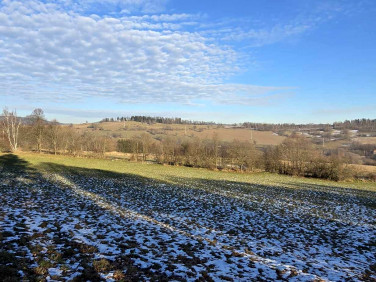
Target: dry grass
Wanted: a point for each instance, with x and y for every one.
(365, 168)
(335, 144)
(229, 134)
(366, 140)
(131, 129)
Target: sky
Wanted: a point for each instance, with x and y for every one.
(270, 61)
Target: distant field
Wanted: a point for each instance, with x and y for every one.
(65, 218)
(130, 129)
(229, 134)
(366, 140)
(336, 144)
(366, 168)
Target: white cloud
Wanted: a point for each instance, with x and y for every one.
(345, 110)
(49, 53)
(266, 36)
(124, 6)
(254, 32)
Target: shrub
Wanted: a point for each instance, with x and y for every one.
(102, 265)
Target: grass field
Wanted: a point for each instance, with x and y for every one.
(366, 140)
(130, 129)
(65, 218)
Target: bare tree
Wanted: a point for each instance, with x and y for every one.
(170, 148)
(11, 124)
(146, 143)
(54, 133)
(215, 141)
(38, 126)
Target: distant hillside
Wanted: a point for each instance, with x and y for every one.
(364, 125)
(158, 131)
(331, 136)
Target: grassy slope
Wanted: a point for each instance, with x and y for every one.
(181, 175)
(162, 130)
(366, 140)
(159, 131)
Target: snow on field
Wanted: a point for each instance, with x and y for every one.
(88, 227)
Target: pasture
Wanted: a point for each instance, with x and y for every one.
(65, 218)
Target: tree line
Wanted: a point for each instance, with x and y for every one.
(152, 120)
(297, 155)
(194, 152)
(40, 135)
(284, 126)
(363, 125)
(356, 124)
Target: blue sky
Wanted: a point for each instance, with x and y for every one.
(224, 61)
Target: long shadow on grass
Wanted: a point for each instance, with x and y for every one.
(11, 163)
